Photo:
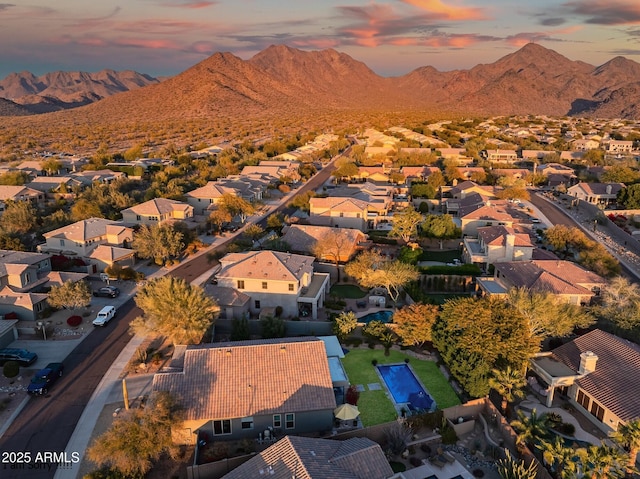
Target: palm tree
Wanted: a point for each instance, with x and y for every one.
(564, 459)
(511, 468)
(508, 383)
(531, 429)
(628, 436)
(603, 462)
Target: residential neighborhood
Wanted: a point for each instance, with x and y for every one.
(396, 303)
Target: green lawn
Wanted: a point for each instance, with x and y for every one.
(375, 407)
(350, 291)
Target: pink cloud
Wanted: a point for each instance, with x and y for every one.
(448, 11)
(191, 5)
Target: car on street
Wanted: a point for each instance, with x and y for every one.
(105, 315)
(21, 356)
(107, 292)
(44, 379)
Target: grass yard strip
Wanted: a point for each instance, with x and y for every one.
(375, 407)
(349, 291)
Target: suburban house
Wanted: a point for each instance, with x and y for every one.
(492, 213)
(471, 172)
(346, 241)
(237, 390)
(373, 173)
(25, 279)
(500, 156)
(567, 281)
(418, 173)
(342, 212)
(55, 184)
(156, 211)
(274, 170)
(497, 244)
(317, 458)
(618, 146)
(465, 188)
(20, 193)
(100, 241)
(204, 198)
(515, 173)
(598, 372)
(584, 144)
(273, 279)
(596, 193)
(105, 177)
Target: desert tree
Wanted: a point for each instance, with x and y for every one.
(332, 244)
(236, 206)
(70, 295)
(138, 438)
(509, 383)
(176, 309)
(405, 224)
(414, 322)
(160, 242)
(84, 209)
(344, 324)
(273, 327)
(371, 269)
(19, 217)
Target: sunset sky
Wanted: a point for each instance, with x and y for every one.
(165, 37)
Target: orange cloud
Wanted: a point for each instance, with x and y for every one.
(448, 11)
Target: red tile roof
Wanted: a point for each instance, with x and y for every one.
(614, 382)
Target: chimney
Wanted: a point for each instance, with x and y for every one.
(609, 189)
(510, 245)
(588, 361)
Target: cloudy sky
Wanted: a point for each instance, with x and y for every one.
(165, 37)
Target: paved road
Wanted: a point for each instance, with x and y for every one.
(46, 424)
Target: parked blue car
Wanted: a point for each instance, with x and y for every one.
(43, 379)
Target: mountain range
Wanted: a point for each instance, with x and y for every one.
(63, 90)
(283, 81)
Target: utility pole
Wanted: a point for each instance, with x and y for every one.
(125, 394)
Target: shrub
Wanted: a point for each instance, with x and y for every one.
(74, 321)
(568, 429)
(352, 395)
(374, 362)
(397, 466)
(425, 448)
(11, 369)
(415, 462)
(478, 473)
(406, 360)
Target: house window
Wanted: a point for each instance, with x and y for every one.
(222, 427)
(597, 411)
(341, 215)
(583, 400)
(257, 304)
(292, 287)
(289, 421)
(247, 423)
(264, 285)
(277, 421)
(138, 217)
(357, 215)
(240, 284)
(61, 242)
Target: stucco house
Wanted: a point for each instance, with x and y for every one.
(156, 211)
(500, 156)
(491, 213)
(496, 244)
(105, 177)
(237, 390)
(100, 241)
(204, 199)
(20, 193)
(596, 193)
(317, 458)
(274, 279)
(598, 372)
(342, 212)
(566, 280)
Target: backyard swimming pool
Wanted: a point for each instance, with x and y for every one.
(383, 316)
(404, 386)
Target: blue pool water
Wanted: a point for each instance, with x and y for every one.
(404, 386)
(383, 316)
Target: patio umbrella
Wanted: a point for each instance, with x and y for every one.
(346, 412)
(420, 400)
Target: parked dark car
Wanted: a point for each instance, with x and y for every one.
(43, 379)
(21, 356)
(107, 292)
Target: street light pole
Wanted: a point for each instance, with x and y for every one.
(44, 330)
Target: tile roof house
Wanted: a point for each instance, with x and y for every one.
(238, 389)
(496, 244)
(491, 213)
(156, 211)
(20, 193)
(83, 238)
(315, 458)
(24, 280)
(55, 184)
(302, 239)
(500, 156)
(204, 198)
(596, 193)
(275, 279)
(342, 212)
(598, 372)
(90, 177)
(566, 280)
